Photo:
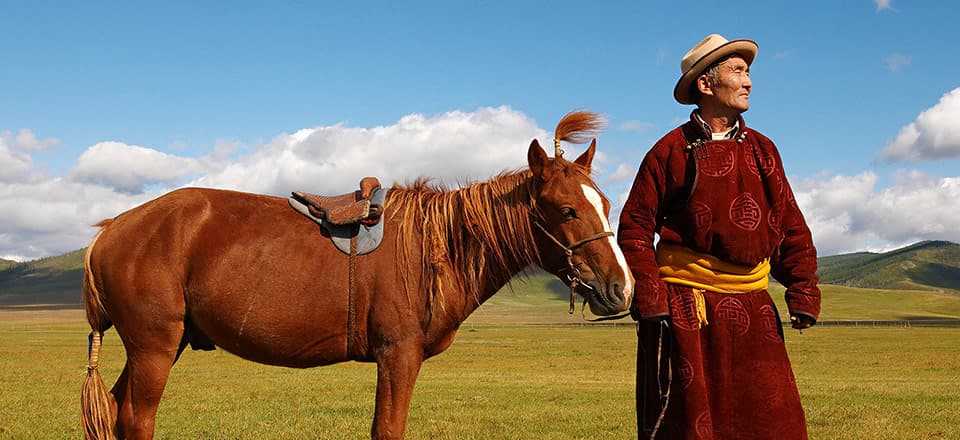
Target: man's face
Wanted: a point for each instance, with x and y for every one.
(732, 88)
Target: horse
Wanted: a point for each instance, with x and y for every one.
(244, 272)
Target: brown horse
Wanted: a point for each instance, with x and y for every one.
(246, 273)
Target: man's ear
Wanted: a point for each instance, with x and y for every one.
(586, 158)
(703, 85)
(538, 161)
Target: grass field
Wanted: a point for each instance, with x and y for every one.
(497, 381)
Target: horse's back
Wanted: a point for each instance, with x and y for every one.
(245, 271)
(164, 230)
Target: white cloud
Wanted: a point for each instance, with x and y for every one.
(50, 215)
(897, 62)
(14, 165)
(55, 215)
(934, 135)
(26, 140)
(131, 169)
(636, 126)
(884, 5)
(662, 55)
(452, 147)
(624, 173)
(43, 215)
(850, 213)
(785, 54)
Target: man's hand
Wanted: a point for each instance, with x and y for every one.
(801, 322)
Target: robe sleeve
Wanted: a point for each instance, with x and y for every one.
(638, 224)
(794, 263)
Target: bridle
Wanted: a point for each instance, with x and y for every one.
(572, 273)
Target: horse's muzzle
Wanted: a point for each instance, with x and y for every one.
(607, 300)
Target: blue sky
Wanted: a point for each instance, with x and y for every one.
(107, 105)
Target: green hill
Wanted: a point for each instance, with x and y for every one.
(918, 281)
(51, 280)
(928, 265)
(6, 263)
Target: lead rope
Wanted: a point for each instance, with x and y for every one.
(574, 281)
(664, 395)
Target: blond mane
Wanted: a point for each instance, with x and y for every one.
(478, 233)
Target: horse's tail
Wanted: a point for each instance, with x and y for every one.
(98, 407)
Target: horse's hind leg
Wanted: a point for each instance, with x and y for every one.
(138, 390)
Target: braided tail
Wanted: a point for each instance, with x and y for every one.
(98, 407)
(98, 415)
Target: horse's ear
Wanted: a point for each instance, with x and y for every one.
(538, 160)
(586, 158)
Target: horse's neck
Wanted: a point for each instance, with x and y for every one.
(508, 242)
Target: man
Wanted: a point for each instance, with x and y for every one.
(711, 361)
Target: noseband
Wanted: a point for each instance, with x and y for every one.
(573, 274)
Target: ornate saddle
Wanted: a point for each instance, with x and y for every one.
(346, 209)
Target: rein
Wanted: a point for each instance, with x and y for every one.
(573, 275)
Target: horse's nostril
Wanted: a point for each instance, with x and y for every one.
(618, 293)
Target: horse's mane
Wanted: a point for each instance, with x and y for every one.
(461, 231)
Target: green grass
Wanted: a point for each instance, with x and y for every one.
(851, 303)
(497, 381)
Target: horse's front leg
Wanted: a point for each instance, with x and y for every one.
(398, 364)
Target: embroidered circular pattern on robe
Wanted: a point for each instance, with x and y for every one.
(685, 372)
(769, 324)
(702, 215)
(719, 161)
(745, 212)
(774, 220)
(683, 312)
(767, 161)
(704, 425)
(731, 311)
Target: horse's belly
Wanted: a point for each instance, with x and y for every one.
(273, 314)
(275, 335)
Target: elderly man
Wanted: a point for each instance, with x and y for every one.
(711, 361)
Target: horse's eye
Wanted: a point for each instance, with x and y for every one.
(568, 213)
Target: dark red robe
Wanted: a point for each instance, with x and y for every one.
(729, 198)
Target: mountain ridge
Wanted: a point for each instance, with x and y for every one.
(933, 265)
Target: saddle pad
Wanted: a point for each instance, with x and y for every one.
(368, 237)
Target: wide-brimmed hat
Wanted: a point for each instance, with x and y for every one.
(705, 53)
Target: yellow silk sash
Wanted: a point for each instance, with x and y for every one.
(687, 267)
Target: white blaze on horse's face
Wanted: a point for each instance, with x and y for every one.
(595, 199)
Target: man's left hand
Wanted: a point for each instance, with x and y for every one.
(801, 322)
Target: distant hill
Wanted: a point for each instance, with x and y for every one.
(6, 263)
(51, 280)
(929, 265)
(924, 266)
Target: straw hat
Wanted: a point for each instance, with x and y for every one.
(705, 53)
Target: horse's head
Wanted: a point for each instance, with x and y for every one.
(572, 232)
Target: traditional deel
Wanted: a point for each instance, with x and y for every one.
(731, 200)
